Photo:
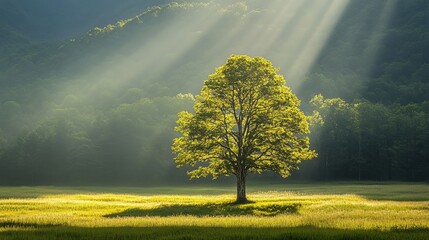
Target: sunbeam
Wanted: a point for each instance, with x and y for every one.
(292, 33)
(285, 14)
(247, 92)
(376, 39)
(316, 40)
(153, 55)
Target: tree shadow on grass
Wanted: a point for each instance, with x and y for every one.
(210, 210)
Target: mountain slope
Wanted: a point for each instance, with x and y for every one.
(47, 20)
(348, 66)
(378, 51)
(100, 107)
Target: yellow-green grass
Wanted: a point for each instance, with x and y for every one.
(292, 211)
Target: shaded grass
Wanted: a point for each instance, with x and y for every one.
(396, 191)
(210, 210)
(208, 233)
(12, 224)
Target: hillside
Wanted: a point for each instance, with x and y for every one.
(100, 105)
(378, 51)
(46, 20)
(344, 68)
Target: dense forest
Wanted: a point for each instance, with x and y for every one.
(94, 101)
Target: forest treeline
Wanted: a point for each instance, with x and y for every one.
(130, 144)
(71, 113)
(370, 141)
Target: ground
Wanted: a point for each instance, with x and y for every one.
(278, 211)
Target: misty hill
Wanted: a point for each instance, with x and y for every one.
(47, 20)
(100, 106)
(348, 65)
(381, 50)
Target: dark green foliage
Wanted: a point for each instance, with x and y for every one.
(116, 146)
(365, 58)
(367, 141)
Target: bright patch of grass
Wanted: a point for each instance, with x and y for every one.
(296, 211)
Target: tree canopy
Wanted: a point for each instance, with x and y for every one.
(246, 120)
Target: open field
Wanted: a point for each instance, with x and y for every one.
(292, 211)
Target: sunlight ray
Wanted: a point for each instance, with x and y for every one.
(317, 39)
(154, 56)
(375, 39)
(300, 27)
(284, 22)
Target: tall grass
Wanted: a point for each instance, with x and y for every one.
(297, 211)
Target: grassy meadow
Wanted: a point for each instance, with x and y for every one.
(286, 211)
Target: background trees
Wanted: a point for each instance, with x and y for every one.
(374, 78)
(367, 141)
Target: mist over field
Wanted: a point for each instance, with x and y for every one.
(90, 90)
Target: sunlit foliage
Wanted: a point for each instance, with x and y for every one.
(246, 120)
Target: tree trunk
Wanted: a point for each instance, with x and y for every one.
(241, 187)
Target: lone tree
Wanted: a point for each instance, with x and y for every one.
(246, 120)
